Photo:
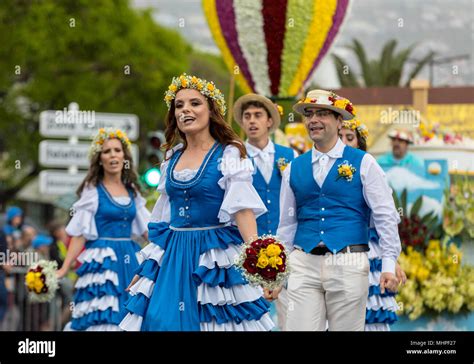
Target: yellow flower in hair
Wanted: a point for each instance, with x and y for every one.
(210, 87)
(172, 88)
(194, 80)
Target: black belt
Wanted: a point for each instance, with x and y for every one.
(357, 248)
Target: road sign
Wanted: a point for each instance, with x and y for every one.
(55, 153)
(85, 124)
(59, 182)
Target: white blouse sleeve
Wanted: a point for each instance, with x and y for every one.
(83, 215)
(237, 183)
(142, 216)
(162, 211)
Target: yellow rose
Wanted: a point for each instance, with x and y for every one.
(273, 250)
(262, 261)
(38, 286)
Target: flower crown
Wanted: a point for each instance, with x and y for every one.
(354, 124)
(105, 134)
(206, 88)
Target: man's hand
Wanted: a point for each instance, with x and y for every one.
(389, 281)
(271, 295)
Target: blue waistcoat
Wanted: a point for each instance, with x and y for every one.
(112, 219)
(270, 193)
(335, 213)
(196, 203)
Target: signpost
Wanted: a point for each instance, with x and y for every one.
(72, 154)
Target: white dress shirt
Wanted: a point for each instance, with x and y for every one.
(376, 191)
(264, 158)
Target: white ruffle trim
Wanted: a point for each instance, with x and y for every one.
(96, 304)
(151, 251)
(375, 251)
(224, 258)
(104, 327)
(97, 278)
(131, 322)
(144, 286)
(227, 296)
(264, 324)
(387, 303)
(377, 327)
(374, 278)
(101, 327)
(97, 254)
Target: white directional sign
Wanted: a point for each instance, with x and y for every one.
(85, 124)
(55, 153)
(59, 182)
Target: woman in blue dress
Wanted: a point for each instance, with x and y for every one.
(381, 307)
(187, 280)
(110, 210)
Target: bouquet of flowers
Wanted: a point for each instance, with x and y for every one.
(263, 262)
(41, 281)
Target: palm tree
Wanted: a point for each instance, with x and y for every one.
(386, 71)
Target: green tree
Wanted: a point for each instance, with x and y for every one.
(101, 54)
(385, 71)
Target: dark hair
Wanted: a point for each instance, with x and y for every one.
(258, 104)
(361, 142)
(218, 127)
(95, 175)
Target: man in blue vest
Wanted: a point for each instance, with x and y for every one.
(326, 197)
(259, 117)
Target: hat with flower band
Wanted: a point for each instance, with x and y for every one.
(326, 100)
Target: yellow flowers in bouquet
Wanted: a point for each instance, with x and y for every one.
(41, 281)
(436, 281)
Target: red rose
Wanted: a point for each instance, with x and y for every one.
(332, 99)
(250, 264)
(313, 101)
(251, 252)
(257, 244)
(268, 241)
(349, 108)
(281, 268)
(282, 256)
(281, 246)
(269, 273)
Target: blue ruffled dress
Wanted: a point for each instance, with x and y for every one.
(108, 261)
(381, 308)
(188, 281)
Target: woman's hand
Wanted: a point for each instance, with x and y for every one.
(400, 273)
(61, 272)
(134, 280)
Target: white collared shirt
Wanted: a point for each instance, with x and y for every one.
(264, 158)
(376, 192)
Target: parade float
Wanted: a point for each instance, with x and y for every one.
(437, 233)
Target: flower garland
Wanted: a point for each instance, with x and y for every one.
(105, 134)
(205, 87)
(354, 124)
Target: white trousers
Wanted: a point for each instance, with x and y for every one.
(327, 287)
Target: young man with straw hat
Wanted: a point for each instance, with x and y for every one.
(326, 198)
(259, 117)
